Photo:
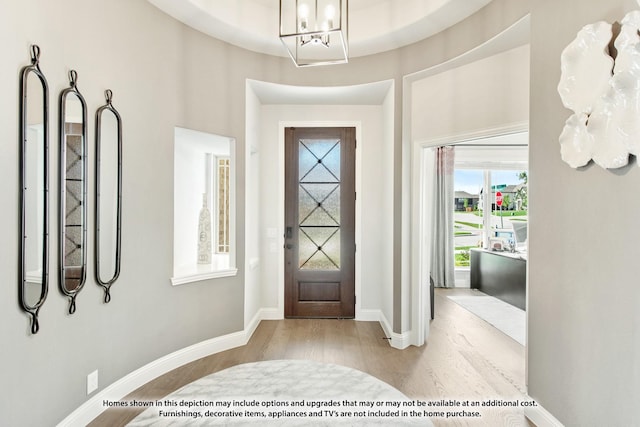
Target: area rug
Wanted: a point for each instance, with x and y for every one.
(503, 316)
(284, 393)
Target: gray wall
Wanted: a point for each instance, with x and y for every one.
(584, 298)
(162, 75)
(147, 60)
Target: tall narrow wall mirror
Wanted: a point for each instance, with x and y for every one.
(73, 191)
(108, 195)
(34, 188)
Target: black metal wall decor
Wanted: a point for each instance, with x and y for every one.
(34, 188)
(108, 195)
(72, 236)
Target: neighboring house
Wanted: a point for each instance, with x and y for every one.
(461, 196)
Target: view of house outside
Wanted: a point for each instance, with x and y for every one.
(470, 203)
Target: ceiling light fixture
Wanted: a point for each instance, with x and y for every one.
(315, 31)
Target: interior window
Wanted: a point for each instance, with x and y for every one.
(204, 206)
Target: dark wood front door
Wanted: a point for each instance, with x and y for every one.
(320, 222)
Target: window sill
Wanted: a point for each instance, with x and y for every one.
(183, 279)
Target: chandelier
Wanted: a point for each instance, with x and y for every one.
(315, 31)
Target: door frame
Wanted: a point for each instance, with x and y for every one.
(281, 208)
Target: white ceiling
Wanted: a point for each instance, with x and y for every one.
(374, 25)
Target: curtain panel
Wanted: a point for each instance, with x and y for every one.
(442, 245)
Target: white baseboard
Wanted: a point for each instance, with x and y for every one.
(119, 389)
(262, 314)
(386, 326)
(399, 341)
(271, 314)
(250, 328)
(368, 315)
(541, 417)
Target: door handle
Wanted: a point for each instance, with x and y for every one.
(288, 246)
(288, 233)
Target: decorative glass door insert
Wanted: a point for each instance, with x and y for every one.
(319, 204)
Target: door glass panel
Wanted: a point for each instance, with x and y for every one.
(319, 160)
(319, 248)
(319, 204)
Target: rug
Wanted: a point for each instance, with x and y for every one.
(284, 393)
(507, 318)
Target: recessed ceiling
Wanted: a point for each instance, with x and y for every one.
(362, 94)
(374, 25)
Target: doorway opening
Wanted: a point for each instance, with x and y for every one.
(487, 211)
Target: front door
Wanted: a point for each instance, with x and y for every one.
(320, 222)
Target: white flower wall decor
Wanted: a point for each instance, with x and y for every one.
(603, 94)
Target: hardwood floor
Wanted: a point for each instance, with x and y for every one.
(465, 359)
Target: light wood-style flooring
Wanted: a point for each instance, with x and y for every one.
(465, 358)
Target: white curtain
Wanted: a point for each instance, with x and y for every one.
(442, 245)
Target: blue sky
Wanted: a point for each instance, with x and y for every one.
(471, 180)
